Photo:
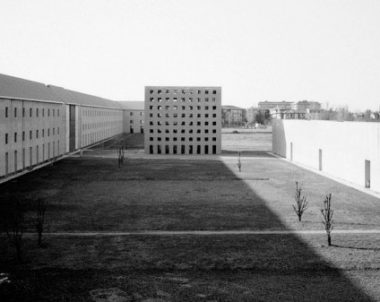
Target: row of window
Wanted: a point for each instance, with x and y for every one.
(175, 108)
(183, 100)
(131, 113)
(183, 139)
(37, 111)
(88, 112)
(140, 122)
(100, 125)
(183, 149)
(90, 138)
(182, 131)
(36, 156)
(183, 91)
(182, 115)
(37, 134)
(183, 123)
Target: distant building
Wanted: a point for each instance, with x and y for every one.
(182, 120)
(133, 112)
(251, 114)
(232, 116)
(276, 105)
(306, 106)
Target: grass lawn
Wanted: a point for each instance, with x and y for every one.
(93, 194)
(247, 141)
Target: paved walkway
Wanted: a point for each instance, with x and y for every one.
(205, 233)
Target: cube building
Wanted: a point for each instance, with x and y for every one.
(182, 120)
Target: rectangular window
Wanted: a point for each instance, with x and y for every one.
(30, 112)
(6, 111)
(30, 134)
(15, 135)
(36, 133)
(23, 112)
(6, 138)
(6, 162)
(37, 112)
(15, 112)
(23, 136)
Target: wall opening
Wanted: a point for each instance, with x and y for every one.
(167, 151)
(30, 156)
(291, 151)
(158, 149)
(198, 149)
(367, 173)
(15, 163)
(174, 149)
(6, 163)
(183, 149)
(213, 149)
(150, 149)
(71, 129)
(23, 158)
(191, 149)
(206, 149)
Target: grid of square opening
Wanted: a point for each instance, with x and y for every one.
(182, 120)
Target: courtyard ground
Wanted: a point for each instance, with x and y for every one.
(91, 194)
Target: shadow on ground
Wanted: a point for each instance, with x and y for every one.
(217, 268)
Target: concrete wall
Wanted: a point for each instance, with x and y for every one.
(339, 149)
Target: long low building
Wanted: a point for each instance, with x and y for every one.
(40, 123)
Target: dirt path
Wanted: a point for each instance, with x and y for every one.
(204, 233)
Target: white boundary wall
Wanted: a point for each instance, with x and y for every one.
(345, 146)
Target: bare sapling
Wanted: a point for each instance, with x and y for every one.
(40, 208)
(239, 162)
(14, 226)
(327, 214)
(301, 202)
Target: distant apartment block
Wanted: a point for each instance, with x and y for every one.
(276, 105)
(182, 120)
(232, 116)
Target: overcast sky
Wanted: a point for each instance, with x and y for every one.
(322, 50)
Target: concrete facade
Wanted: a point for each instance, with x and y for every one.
(133, 116)
(346, 150)
(31, 132)
(182, 120)
(40, 123)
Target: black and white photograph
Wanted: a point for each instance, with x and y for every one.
(189, 150)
